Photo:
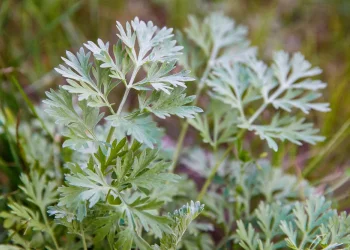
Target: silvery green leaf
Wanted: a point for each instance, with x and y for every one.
(224, 32)
(276, 185)
(239, 53)
(83, 190)
(165, 51)
(26, 216)
(192, 57)
(88, 186)
(78, 67)
(289, 70)
(337, 232)
(292, 99)
(181, 220)
(160, 78)
(61, 213)
(292, 75)
(128, 37)
(269, 221)
(218, 125)
(120, 65)
(249, 238)
(89, 82)
(140, 127)
(142, 210)
(229, 83)
(308, 219)
(285, 128)
(154, 45)
(284, 85)
(163, 105)
(81, 124)
(199, 34)
(216, 31)
(137, 171)
(38, 189)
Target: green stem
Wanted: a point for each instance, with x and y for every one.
(213, 172)
(276, 94)
(199, 89)
(108, 105)
(179, 146)
(257, 113)
(216, 167)
(42, 210)
(83, 237)
(122, 103)
(303, 241)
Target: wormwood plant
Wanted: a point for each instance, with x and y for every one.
(109, 198)
(256, 206)
(117, 184)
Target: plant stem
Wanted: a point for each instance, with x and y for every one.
(179, 146)
(83, 237)
(216, 167)
(213, 172)
(303, 241)
(108, 105)
(257, 113)
(276, 94)
(199, 89)
(47, 224)
(122, 103)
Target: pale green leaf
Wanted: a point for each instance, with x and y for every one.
(163, 105)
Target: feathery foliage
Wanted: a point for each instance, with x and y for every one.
(107, 196)
(106, 181)
(286, 85)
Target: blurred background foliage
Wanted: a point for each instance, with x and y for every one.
(34, 34)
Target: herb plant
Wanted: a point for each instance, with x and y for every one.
(118, 188)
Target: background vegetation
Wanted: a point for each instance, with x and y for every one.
(35, 34)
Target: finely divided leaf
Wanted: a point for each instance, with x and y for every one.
(160, 78)
(39, 190)
(120, 65)
(181, 219)
(140, 127)
(81, 125)
(286, 128)
(90, 83)
(163, 105)
(293, 77)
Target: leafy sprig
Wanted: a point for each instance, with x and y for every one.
(181, 219)
(286, 86)
(119, 176)
(117, 192)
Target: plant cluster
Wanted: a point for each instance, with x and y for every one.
(118, 188)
